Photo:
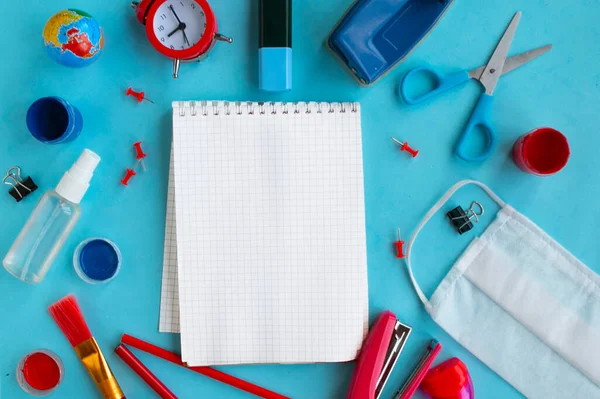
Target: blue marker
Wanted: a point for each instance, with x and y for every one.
(275, 45)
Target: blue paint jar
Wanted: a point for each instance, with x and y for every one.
(53, 120)
(97, 260)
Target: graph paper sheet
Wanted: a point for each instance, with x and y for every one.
(271, 247)
(169, 296)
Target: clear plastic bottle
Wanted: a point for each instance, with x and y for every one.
(51, 222)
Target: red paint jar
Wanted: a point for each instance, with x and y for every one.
(40, 372)
(541, 152)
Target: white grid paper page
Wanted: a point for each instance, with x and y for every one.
(169, 295)
(271, 243)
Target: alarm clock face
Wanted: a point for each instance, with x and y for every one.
(179, 24)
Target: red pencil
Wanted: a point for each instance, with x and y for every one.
(207, 371)
(145, 373)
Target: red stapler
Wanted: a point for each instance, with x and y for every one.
(378, 356)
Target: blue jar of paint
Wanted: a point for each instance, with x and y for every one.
(53, 120)
(97, 260)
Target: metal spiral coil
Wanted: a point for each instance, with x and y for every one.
(216, 108)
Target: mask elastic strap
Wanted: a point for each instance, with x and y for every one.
(428, 216)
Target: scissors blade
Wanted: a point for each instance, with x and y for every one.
(514, 62)
(493, 71)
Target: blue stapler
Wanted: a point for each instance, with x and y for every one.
(375, 35)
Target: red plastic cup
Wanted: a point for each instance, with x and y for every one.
(40, 372)
(542, 152)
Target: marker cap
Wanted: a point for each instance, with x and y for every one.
(275, 68)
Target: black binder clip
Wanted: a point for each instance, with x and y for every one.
(20, 188)
(461, 220)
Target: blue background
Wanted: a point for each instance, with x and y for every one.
(558, 90)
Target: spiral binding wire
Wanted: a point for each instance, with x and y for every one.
(203, 108)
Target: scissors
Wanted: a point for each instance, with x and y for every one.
(488, 76)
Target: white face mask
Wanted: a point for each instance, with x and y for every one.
(523, 305)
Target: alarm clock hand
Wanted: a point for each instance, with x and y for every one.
(181, 26)
(174, 13)
(175, 31)
(182, 29)
(185, 37)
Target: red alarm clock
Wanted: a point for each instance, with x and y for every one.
(183, 30)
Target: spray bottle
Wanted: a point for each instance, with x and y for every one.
(51, 222)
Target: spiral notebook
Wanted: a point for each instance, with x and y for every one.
(265, 249)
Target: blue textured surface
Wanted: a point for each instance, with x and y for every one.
(560, 89)
(275, 68)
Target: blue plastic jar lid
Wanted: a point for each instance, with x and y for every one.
(97, 260)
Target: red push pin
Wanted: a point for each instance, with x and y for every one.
(139, 154)
(128, 175)
(405, 147)
(138, 95)
(399, 247)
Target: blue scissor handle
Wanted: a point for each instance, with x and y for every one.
(481, 118)
(441, 82)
